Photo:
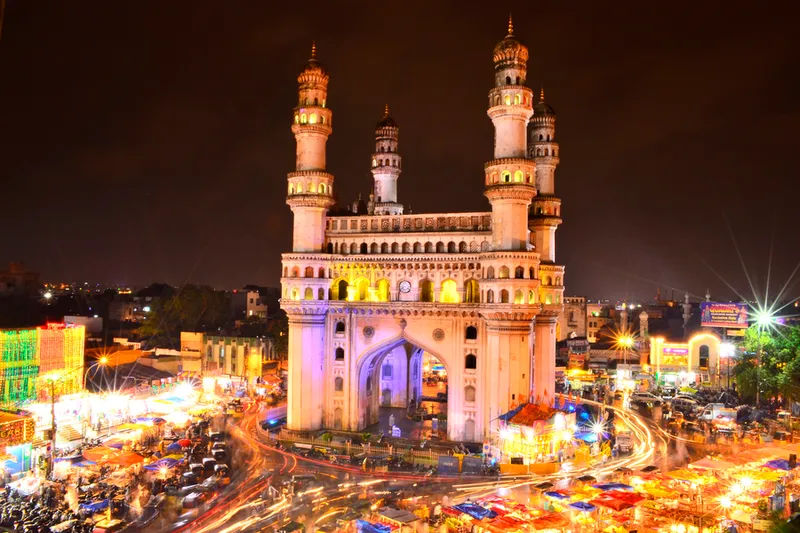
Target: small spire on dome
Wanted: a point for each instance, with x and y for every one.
(386, 111)
(313, 50)
(541, 94)
(510, 26)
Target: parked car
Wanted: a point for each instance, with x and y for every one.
(714, 411)
(645, 397)
(684, 405)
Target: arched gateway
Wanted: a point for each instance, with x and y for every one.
(368, 295)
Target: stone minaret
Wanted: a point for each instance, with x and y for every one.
(543, 148)
(386, 166)
(687, 312)
(310, 191)
(509, 176)
(310, 195)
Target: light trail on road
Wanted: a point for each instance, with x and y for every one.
(224, 518)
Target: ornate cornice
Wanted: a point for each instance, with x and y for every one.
(508, 161)
(309, 200)
(543, 221)
(310, 173)
(313, 129)
(510, 191)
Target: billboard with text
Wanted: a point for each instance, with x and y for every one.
(723, 315)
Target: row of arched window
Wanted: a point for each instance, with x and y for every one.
(387, 148)
(543, 211)
(505, 273)
(307, 273)
(547, 280)
(508, 99)
(360, 290)
(312, 118)
(308, 101)
(407, 247)
(504, 297)
(507, 177)
(385, 163)
(311, 188)
(546, 151)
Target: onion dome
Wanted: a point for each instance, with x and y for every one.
(313, 63)
(510, 52)
(386, 121)
(541, 108)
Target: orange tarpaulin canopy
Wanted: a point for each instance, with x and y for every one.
(550, 520)
(126, 459)
(100, 454)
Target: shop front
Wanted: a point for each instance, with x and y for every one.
(686, 364)
(16, 441)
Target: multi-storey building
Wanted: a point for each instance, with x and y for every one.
(572, 320)
(480, 291)
(29, 355)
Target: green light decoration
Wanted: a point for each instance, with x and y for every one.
(19, 366)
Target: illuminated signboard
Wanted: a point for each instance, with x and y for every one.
(723, 315)
(674, 356)
(676, 351)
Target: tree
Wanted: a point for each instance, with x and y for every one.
(191, 308)
(779, 372)
(278, 331)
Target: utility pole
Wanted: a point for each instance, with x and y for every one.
(51, 462)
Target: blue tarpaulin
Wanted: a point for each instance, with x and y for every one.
(583, 506)
(174, 447)
(778, 464)
(84, 464)
(369, 527)
(146, 419)
(475, 511)
(586, 436)
(557, 495)
(94, 507)
(162, 463)
(612, 486)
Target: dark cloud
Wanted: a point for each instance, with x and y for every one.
(150, 140)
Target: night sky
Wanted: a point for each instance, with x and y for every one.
(150, 141)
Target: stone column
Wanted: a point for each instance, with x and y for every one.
(544, 358)
(306, 358)
(508, 358)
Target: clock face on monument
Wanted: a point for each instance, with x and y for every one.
(405, 286)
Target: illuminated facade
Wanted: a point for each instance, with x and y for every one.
(480, 291)
(61, 354)
(30, 354)
(686, 363)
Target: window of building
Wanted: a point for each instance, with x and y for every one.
(470, 362)
(339, 354)
(339, 327)
(426, 290)
(386, 371)
(338, 384)
(471, 333)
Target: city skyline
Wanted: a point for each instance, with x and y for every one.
(161, 164)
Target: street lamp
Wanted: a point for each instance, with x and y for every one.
(625, 342)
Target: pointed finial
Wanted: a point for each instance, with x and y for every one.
(541, 94)
(313, 50)
(510, 25)
(386, 110)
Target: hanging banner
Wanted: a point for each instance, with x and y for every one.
(723, 315)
